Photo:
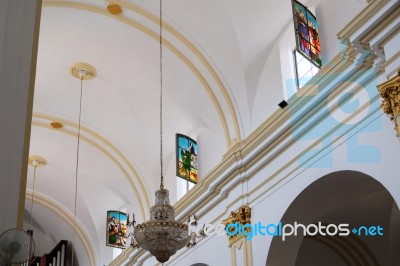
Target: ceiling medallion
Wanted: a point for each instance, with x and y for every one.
(83, 71)
(37, 161)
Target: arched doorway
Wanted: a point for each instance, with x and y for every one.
(345, 197)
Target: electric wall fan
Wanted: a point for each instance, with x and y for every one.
(16, 246)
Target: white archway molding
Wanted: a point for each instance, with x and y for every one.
(202, 68)
(108, 149)
(68, 217)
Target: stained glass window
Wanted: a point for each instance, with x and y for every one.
(116, 229)
(186, 158)
(307, 34)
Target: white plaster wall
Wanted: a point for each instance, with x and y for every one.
(269, 90)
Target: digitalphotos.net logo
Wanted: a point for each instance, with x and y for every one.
(359, 102)
(290, 230)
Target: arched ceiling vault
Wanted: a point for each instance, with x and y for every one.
(181, 38)
(205, 97)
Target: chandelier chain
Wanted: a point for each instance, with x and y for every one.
(76, 172)
(161, 99)
(162, 236)
(33, 193)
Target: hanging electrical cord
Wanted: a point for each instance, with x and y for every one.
(35, 164)
(76, 170)
(161, 99)
(36, 161)
(81, 71)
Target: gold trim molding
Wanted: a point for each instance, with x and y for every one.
(390, 93)
(242, 217)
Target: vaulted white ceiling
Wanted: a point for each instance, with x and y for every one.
(214, 54)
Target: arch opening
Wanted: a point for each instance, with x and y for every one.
(338, 199)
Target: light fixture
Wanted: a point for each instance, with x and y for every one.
(162, 236)
(36, 161)
(82, 71)
(192, 223)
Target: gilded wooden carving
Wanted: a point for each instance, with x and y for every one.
(242, 217)
(390, 93)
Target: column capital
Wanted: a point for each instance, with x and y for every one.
(390, 93)
(242, 217)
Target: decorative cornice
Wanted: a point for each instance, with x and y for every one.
(370, 31)
(361, 19)
(390, 61)
(379, 27)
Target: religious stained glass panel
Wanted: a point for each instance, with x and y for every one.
(307, 33)
(116, 229)
(186, 158)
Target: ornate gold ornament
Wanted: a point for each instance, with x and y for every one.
(56, 125)
(242, 217)
(114, 9)
(390, 93)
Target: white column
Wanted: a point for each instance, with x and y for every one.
(19, 30)
(241, 252)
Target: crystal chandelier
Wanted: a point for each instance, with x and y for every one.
(162, 236)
